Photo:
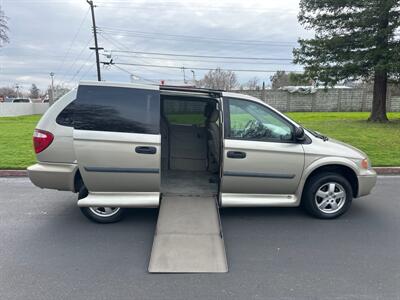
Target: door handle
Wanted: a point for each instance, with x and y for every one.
(146, 150)
(236, 154)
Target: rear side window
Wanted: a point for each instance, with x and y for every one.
(65, 117)
(114, 109)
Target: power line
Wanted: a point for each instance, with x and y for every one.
(197, 60)
(162, 37)
(203, 56)
(113, 30)
(76, 59)
(113, 41)
(87, 71)
(119, 45)
(130, 73)
(197, 68)
(191, 7)
(73, 41)
(80, 69)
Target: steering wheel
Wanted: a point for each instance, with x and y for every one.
(251, 128)
(249, 125)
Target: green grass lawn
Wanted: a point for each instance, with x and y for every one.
(16, 151)
(380, 141)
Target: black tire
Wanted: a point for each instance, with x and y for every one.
(323, 206)
(94, 214)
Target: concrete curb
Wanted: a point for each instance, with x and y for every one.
(387, 170)
(24, 173)
(13, 173)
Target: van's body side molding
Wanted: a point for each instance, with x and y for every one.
(123, 170)
(259, 175)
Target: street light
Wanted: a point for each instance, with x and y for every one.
(17, 88)
(51, 100)
(194, 77)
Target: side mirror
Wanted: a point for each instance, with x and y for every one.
(299, 134)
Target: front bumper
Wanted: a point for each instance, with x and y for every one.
(366, 182)
(53, 176)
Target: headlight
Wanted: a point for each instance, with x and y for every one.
(365, 164)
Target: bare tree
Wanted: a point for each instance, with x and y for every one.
(220, 80)
(59, 91)
(3, 28)
(8, 92)
(253, 84)
(279, 79)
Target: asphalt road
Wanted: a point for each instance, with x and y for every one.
(48, 250)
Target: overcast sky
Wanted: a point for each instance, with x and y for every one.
(54, 36)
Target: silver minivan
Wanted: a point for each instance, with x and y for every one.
(126, 145)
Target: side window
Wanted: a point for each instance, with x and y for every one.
(117, 109)
(65, 117)
(184, 112)
(251, 121)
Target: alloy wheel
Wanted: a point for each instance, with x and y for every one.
(330, 197)
(104, 211)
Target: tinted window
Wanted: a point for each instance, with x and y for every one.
(65, 117)
(116, 109)
(253, 121)
(21, 100)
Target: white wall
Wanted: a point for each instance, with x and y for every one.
(22, 109)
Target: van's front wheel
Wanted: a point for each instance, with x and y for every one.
(327, 196)
(100, 214)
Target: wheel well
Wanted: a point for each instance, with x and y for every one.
(346, 172)
(78, 181)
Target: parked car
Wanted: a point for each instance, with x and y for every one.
(125, 145)
(21, 100)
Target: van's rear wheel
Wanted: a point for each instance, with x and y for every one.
(327, 195)
(100, 214)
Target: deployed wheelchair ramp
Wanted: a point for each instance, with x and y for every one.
(188, 237)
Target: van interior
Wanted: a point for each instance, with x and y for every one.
(190, 145)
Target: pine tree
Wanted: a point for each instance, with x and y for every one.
(354, 39)
(34, 91)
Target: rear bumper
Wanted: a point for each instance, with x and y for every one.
(366, 183)
(53, 176)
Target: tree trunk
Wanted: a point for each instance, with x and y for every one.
(378, 113)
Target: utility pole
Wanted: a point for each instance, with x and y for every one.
(184, 75)
(51, 100)
(263, 92)
(194, 77)
(96, 46)
(17, 88)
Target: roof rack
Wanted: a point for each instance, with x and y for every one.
(190, 89)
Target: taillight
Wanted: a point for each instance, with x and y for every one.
(41, 140)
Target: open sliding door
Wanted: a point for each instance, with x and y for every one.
(117, 142)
